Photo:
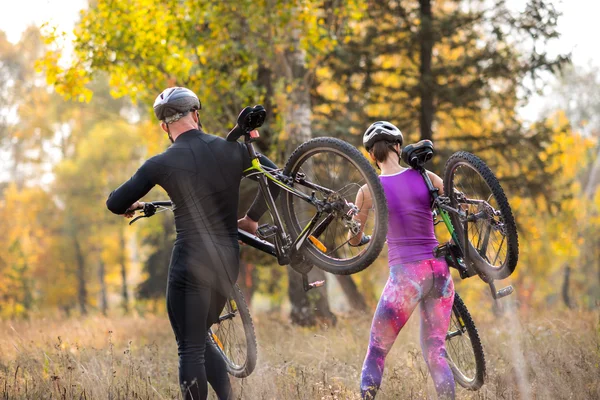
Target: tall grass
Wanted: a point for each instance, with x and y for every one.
(552, 355)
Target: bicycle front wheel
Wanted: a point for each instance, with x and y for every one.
(463, 346)
(492, 243)
(234, 336)
(335, 172)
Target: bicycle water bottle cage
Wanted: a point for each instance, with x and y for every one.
(249, 119)
(417, 154)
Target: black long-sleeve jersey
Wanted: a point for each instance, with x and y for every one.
(201, 173)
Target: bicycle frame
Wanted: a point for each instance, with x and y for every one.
(284, 248)
(443, 210)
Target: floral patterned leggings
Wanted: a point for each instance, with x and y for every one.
(426, 283)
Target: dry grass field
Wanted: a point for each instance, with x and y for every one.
(554, 355)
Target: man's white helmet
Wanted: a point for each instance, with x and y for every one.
(175, 102)
(381, 130)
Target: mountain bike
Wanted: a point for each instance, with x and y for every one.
(314, 224)
(476, 213)
(484, 242)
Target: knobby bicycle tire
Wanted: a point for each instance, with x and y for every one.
(355, 157)
(247, 367)
(511, 237)
(462, 317)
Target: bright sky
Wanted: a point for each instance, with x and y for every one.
(579, 26)
(17, 16)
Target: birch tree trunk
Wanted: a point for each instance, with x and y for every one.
(122, 262)
(306, 308)
(102, 280)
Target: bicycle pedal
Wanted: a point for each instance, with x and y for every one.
(316, 284)
(441, 250)
(266, 231)
(307, 286)
(504, 292)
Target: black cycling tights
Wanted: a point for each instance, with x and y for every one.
(192, 310)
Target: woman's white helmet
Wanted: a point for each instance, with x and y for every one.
(381, 130)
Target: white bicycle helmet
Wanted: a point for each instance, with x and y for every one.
(382, 130)
(175, 102)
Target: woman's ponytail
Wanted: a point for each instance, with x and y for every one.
(381, 150)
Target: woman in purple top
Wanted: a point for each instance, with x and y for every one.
(416, 277)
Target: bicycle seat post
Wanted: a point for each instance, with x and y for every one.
(432, 189)
(248, 142)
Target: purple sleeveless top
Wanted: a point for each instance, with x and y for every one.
(410, 234)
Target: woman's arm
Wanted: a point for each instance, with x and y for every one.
(364, 202)
(438, 183)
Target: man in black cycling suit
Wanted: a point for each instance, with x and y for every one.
(201, 174)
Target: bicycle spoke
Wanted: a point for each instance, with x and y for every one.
(232, 336)
(338, 174)
(485, 232)
(459, 349)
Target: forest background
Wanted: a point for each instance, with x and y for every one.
(76, 121)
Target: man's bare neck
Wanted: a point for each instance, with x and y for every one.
(181, 128)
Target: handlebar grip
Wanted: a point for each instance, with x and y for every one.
(163, 203)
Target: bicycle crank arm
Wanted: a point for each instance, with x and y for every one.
(257, 243)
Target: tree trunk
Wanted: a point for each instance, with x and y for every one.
(565, 287)
(355, 298)
(102, 280)
(593, 180)
(246, 280)
(81, 284)
(319, 300)
(598, 263)
(426, 78)
(307, 308)
(122, 261)
(17, 173)
(301, 312)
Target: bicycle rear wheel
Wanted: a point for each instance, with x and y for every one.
(492, 241)
(234, 336)
(463, 346)
(335, 172)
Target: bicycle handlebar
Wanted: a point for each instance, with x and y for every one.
(149, 209)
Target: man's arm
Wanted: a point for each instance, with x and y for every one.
(122, 198)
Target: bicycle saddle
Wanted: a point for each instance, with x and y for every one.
(249, 119)
(417, 154)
